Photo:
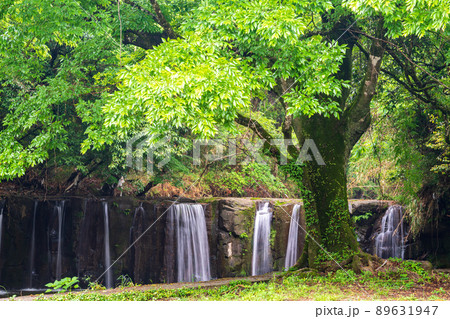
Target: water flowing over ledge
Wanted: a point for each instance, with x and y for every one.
(187, 229)
(390, 240)
(261, 257)
(292, 247)
(214, 238)
(108, 272)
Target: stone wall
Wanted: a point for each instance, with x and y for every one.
(230, 223)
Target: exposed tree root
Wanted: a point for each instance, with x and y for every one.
(359, 262)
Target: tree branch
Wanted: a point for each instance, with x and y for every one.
(146, 189)
(364, 51)
(357, 115)
(405, 85)
(143, 39)
(161, 19)
(406, 57)
(157, 16)
(260, 131)
(415, 86)
(282, 88)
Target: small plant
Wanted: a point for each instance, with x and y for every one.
(407, 282)
(365, 216)
(238, 282)
(273, 234)
(93, 285)
(415, 267)
(439, 291)
(96, 286)
(63, 285)
(342, 277)
(243, 235)
(125, 281)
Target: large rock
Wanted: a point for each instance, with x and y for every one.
(235, 231)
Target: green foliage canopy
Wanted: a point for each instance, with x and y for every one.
(68, 86)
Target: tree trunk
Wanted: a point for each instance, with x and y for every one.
(332, 239)
(324, 193)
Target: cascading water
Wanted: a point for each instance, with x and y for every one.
(108, 272)
(134, 224)
(292, 246)
(189, 226)
(33, 246)
(59, 207)
(389, 243)
(261, 259)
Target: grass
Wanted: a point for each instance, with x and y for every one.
(397, 281)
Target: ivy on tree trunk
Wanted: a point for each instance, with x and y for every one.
(324, 187)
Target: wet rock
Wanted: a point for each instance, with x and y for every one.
(235, 230)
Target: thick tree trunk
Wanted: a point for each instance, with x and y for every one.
(332, 239)
(325, 195)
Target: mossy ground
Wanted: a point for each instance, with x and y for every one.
(395, 281)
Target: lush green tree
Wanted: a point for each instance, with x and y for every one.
(55, 58)
(209, 65)
(233, 54)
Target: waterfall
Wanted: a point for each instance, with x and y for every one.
(134, 224)
(389, 243)
(188, 224)
(108, 272)
(261, 260)
(292, 246)
(59, 207)
(33, 245)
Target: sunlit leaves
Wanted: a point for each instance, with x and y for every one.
(438, 142)
(185, 83)
(403, 18)
(276, 37)
(231, 51)
(67, 76)
(28, 26)
(246, 21)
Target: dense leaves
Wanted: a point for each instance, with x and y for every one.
(403, 18)
(49, 52)
(80, 78)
